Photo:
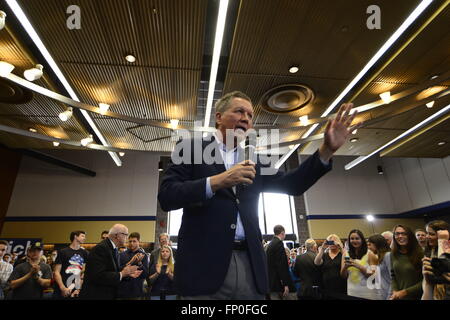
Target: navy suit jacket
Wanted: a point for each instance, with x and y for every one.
(206, 235)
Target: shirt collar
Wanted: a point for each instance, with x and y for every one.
(113, 244)
(222, 146)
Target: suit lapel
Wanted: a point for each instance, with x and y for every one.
(113, 256)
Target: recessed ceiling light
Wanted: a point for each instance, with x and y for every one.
(32, 130)
(293, 69)
(130, 58)
(121, 154)
(370, 217)
(55, 143)
(441, 143)
(386, 97)
(430, 104)
(434, 77)
(354, 139)
(355, 131)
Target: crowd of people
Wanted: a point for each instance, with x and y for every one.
(397, 265)
(116, 268)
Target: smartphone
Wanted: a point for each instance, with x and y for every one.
(329, 242)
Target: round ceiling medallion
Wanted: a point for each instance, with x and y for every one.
(13, 94)
(286, 98)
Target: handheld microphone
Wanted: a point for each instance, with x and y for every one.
(249, 151)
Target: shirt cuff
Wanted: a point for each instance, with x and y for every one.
(209, 192)
(120, 275)
(325, 163)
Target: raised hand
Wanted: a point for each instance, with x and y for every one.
(337, 131)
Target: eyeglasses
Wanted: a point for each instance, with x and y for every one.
(398, 234)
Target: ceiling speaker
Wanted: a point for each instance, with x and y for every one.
(286, 98)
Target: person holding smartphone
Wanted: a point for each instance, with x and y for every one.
(355, 266)
(435, 286)
(329, 258)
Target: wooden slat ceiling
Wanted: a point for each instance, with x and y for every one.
(329, 40)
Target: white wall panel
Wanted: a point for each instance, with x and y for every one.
(436, 179)
(407, 184)
(397, 185)
(415, 182)
(43, 189)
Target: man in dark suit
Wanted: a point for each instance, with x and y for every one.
(220, 254)
(280, 281)
(308, 273)
(103, 276)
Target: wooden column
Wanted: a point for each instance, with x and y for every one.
(9, 167)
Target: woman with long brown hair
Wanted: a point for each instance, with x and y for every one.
(355, 266)
(406, 261)
(432, 290)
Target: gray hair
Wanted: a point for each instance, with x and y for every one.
(223, 103)
(117, 228)
(388, 233)
(310, 243)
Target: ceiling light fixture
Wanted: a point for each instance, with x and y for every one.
(55, 143)
(130, 58)
(220, 27)
(353, 140)
(5, 68)
(32, 130)
(441, 143)
(386, 97)
(380, 170)
(34, 73)
(370, 217)
(174, 123)
(25, 22)
(355, 131)
(430, 104)
(293, 69)
(66, 115)
(418, 126)
(103, 107)
(411, 18)
(304, 120)
(87, 141)
(121, 154)
(2, 19)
